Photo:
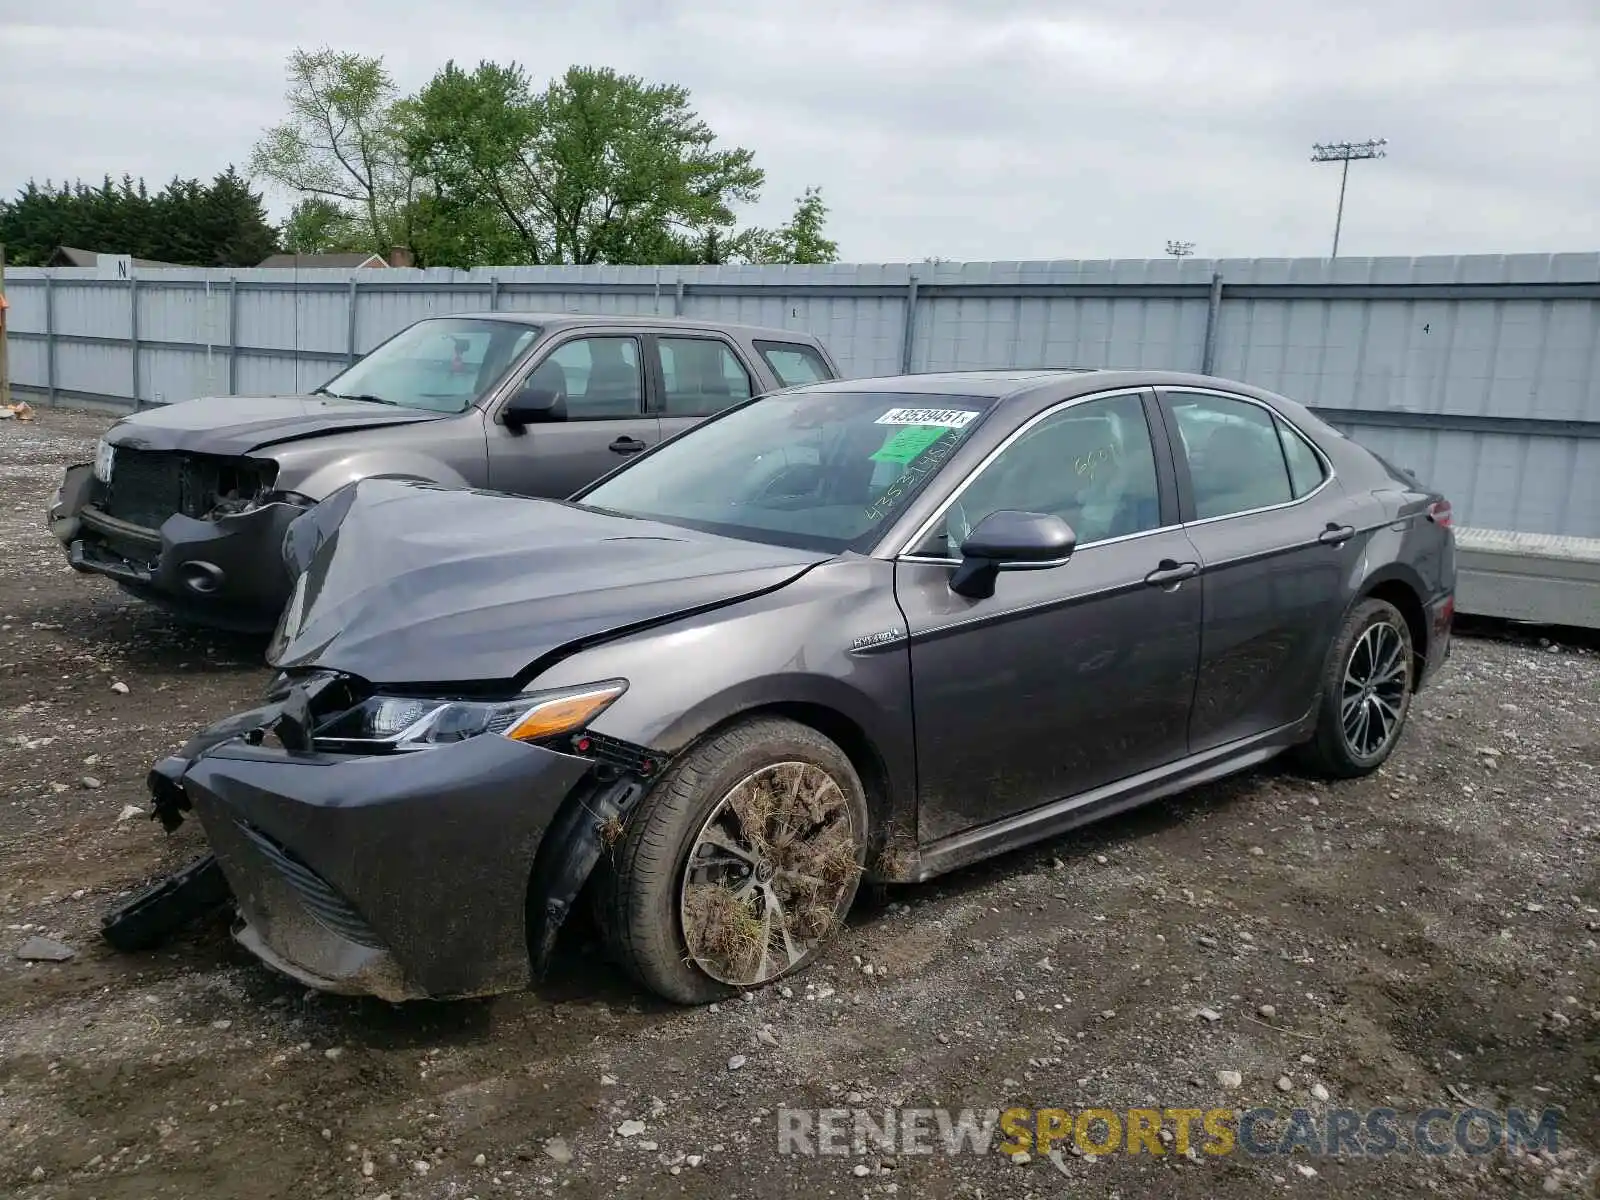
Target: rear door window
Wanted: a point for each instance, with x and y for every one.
(1236, 463)
(795, 363)
(699, 376)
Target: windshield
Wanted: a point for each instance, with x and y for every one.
(444, 364)
(823, 470)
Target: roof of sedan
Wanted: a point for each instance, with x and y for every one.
(1002, 384)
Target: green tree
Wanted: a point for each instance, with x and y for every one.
(340, 143)
(463, 135)
(232, 222)
(597, 167)
(802, 240)
(187, 222)
(804, 237)
(317, 225)
(452, 231)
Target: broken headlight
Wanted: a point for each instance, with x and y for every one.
(105, 459)
(411, 723)
(279, 496)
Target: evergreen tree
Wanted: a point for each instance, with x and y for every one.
(234, 223)
(188, 223)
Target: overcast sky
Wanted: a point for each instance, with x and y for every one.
(962, 129)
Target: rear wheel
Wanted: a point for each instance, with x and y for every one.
(739, 865)
(1366, 693)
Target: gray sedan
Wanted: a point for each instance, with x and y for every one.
(874, 628)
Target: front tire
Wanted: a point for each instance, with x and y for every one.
(739, 865)
(1366, 693)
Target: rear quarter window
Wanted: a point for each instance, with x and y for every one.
(1305, 467)
(795, 363)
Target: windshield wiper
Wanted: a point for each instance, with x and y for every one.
(367, 396)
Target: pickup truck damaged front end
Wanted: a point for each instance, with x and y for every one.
(216, 556)
(397, 875)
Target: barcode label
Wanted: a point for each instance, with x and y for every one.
(946, 418)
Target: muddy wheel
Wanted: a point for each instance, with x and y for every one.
(739, 865)
(1366, 693)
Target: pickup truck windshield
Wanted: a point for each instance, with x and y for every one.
(823, 470)
(444, 364)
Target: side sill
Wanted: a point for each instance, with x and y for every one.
(974, 845)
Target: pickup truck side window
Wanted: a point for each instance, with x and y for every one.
(601, 377)
(794, 363)
(699, 376)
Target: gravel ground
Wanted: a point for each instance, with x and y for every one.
(1425, 937)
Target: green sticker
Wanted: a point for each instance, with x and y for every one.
(908, 442)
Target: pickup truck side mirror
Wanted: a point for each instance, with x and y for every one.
(535, 402)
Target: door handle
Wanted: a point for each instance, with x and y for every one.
(627, 445)
(1170, 572)
(1336, 535)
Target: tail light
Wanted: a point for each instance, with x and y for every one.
(1439, 513)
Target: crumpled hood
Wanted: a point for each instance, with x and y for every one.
(411, 583)
(233, 425)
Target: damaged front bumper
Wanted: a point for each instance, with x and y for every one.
(440, 873)
(229, 571)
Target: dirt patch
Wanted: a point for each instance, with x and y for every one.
(1423, 937)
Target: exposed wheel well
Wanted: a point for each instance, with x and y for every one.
(1404, 597)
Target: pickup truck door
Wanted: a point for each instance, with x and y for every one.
(695, 375)
(603, 378)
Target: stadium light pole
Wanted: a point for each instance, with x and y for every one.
(1179, 249)
(1345, 153)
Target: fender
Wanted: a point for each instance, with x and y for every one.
(1392, 572)
(881, 746)
(329, 477)
(1402, 573)
(766, 692)
(691, 675)
(1381, 562)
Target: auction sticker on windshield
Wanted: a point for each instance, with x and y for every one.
(946, 418)
(908, 442)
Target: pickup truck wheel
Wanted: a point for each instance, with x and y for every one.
(739, 865)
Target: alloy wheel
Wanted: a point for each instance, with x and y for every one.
(1372, 697)
(768, 874)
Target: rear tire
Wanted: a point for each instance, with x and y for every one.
(703, 895)
(1366, 692)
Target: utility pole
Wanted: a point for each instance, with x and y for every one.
(1179, 249)
(1345, 153)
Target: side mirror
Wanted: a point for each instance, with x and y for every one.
(534, 403)
(1008, 540)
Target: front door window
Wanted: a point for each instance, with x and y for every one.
(1092, 465)
(600, 377)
